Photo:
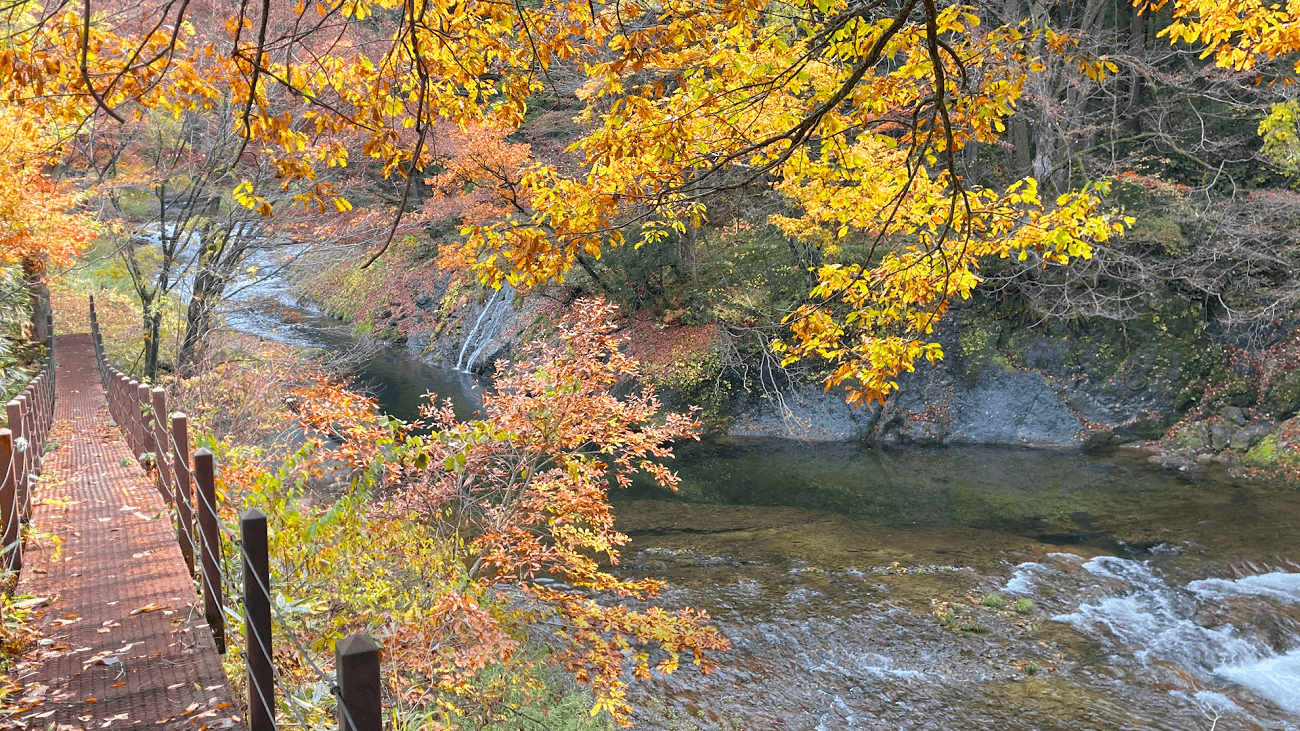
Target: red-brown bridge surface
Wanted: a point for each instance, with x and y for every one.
(124, 643)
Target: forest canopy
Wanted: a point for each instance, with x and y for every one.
(865, 120)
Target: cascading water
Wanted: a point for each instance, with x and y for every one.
(486, 327)
(1234, 641)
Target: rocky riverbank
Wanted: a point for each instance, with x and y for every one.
(1248, 443)
(1050, 383)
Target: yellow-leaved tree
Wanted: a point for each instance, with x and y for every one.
(855, 113)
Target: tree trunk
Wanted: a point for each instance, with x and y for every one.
(689, 244)
(34, 276)
(152, 341)
(208, 290)
(1022, 154)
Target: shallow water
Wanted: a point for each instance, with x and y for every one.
(1161, 601)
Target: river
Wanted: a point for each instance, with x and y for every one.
(853, 580)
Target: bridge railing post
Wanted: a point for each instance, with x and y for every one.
(210, 545)
(356, 666)
(184, 496)
(124, 414)
(142, 405)
(257, 620)
(36, 417)
(17, 427)
(50, 355)
(161, 442)
(9, 506)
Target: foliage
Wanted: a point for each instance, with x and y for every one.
(854, 115)
(100, 273)
(476, 552)
(15, 313)
(37, 223)
(1236, 34)
(39, 229)
(525, 490)
(994, 601)
(16, 635)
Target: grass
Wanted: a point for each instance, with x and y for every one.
(16, 636)
(1024, 606)
(993, 601)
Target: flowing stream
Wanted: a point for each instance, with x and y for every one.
(850, 579)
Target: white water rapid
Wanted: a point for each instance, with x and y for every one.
(1233, 642)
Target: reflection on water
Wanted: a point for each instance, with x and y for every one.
(1057, 496)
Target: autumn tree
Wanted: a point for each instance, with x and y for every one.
(857, 113)
(40, 226)
(517, 502)
(171, 184)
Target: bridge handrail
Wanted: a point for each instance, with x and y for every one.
(139, 410)
(30, 416)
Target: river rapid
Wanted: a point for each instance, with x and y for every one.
(850, 578)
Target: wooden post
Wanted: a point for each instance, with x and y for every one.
(257, 621)
(142, 404)
(49, 323)
(110, 386)
(99, 356)
(123, 415)
(184, 498)
(29, 462)
(356, 662)
(161, 442)
(36, 421)
(14, 411)
(134, 419)
(210, 545)
(40, 411)
(12, 544)
(47, 384)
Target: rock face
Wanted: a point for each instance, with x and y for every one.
(1001, 381)
(998, 384)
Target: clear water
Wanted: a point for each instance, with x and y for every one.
(1173, 598)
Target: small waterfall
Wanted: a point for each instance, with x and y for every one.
(486, 327)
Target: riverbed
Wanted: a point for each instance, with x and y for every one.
(852, 580)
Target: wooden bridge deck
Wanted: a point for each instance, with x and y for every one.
(124, 641)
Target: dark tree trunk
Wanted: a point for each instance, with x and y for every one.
(209, 287)
(152, 341)
(34, 276)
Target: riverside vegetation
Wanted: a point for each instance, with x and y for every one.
(774, 194)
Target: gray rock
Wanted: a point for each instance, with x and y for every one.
(1179, 461)
(1219, 437)
(1195, 435)
(1013, 407)
(1233, 414)
(806, 412)
(1249, 436)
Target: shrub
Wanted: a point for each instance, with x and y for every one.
(993, 601)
